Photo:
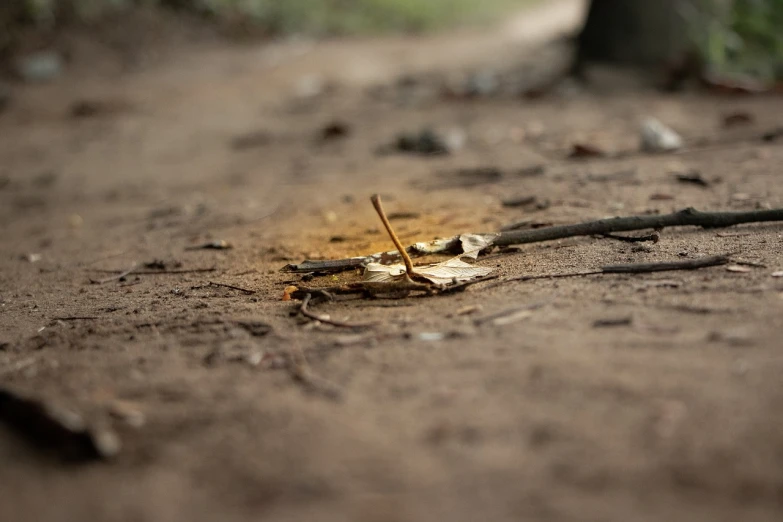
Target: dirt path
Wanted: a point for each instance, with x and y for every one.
(672, 413)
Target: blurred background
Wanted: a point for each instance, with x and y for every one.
(731, 36)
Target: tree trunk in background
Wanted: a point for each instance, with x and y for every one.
(639, 32)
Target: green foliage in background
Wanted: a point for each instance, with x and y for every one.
(741, 36)
(318, 17)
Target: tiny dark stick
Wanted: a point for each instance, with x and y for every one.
(156, 272)
(114, 277)
(190, 271)
(642, 268)
(75, 318)
(634, 268)
(245, 290)
(341, 324)
(543, 276)
(654, 237)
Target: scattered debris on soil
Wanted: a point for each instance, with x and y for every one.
(425, 143)
(517, 235)
(334, 130)
(219, 244)
(584, 150)
(613, 321)
(693, 177)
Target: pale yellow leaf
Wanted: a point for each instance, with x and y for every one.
(452, 271)
(378, 273)
(472, 244)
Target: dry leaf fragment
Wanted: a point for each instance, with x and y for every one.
(378, 273)
(436, 246)
(453, 270)
(472, 244)
(288, 291)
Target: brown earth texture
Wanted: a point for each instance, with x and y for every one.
(612, 397)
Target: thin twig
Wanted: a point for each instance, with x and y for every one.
(376, 202)
(633, 268)
(643, 268)
(544, 276)
(75, 318)
(686, 217)
(244, 290)
(117, 277)
(342, 324)
(654, 237)
(156, 272)
(754, 264)
(507, 312)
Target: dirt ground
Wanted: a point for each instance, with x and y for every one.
(619, 397)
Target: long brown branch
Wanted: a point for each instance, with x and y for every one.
(644, 268)
(631, 268)
(683, 218)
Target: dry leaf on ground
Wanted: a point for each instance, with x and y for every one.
(453, 270)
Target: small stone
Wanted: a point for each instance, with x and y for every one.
(75, 221)
(657, 137)
(254, 358)
(455, 139)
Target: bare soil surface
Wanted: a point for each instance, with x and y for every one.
(615, 397)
